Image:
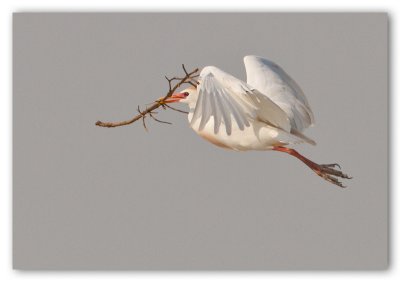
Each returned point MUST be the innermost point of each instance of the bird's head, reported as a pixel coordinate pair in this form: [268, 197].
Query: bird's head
[187, 96]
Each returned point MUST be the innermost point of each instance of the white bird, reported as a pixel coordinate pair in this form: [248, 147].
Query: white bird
[269, 112]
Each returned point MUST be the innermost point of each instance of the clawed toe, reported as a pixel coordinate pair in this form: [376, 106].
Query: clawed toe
[333, 180]
[331, 165]
[327, 172]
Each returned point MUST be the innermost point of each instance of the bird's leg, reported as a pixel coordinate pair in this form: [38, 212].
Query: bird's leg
[326, 171]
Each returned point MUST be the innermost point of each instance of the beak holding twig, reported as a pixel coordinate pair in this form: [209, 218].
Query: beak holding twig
[170, 97]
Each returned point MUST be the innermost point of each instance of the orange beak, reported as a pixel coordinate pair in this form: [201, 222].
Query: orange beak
[176, 97]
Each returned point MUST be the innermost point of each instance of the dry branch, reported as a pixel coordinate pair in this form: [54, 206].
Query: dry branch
[189, 78]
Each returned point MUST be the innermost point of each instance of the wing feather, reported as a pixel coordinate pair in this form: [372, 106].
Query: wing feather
[231, 101]
[206, 111]
[272, 81]
[226, 117]
[236, 112]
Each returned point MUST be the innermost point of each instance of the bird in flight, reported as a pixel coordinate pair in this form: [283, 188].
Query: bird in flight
[268, 112]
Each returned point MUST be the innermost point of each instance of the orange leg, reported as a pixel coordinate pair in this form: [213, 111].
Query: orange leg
[326, 171]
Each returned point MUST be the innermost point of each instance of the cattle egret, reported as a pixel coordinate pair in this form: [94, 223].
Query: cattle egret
[268, 112]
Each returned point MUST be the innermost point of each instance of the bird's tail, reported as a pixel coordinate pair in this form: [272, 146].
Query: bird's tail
[294, 137]
[303, 137]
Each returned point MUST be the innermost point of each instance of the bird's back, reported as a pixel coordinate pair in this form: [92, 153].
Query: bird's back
[271, 80]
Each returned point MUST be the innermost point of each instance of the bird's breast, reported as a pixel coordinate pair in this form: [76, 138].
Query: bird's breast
[212, 138]
[258, 136]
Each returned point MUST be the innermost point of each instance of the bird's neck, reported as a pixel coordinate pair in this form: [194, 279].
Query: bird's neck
[190, 115]
[192, 107]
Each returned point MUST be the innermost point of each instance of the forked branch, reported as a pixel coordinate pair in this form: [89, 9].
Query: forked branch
[189, 78]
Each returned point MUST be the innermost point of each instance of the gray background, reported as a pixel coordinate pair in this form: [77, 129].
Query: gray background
[88, 198]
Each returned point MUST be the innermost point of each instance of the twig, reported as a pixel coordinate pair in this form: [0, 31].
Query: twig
[178, 110]
[162, 121]
[187, 79]
[184, 69]
[143, 117]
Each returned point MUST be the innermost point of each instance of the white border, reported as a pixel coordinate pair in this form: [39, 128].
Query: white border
[8, 7]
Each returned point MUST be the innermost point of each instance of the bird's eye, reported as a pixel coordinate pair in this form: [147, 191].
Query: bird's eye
[186, 94]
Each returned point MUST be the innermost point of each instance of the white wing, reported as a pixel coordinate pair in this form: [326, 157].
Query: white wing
[229, 100]
[271, 80]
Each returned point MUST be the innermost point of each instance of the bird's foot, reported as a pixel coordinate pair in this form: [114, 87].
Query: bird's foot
[328, 172]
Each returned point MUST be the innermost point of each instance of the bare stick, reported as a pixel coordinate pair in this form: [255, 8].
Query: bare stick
[161, 121]
[143, 118]
[172, 108]
[187, 79]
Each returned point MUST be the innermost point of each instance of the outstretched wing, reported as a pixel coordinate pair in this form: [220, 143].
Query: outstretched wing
[272, 81]
[231, 101]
